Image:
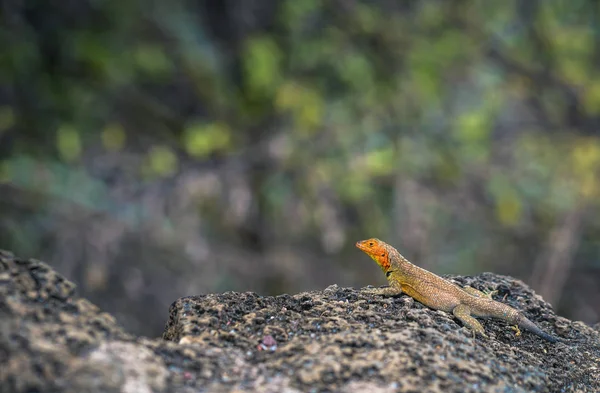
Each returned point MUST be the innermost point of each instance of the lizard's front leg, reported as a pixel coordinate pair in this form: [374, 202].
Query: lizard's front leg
[395, 288]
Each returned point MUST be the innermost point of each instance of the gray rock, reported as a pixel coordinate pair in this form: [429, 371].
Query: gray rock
[337, 339]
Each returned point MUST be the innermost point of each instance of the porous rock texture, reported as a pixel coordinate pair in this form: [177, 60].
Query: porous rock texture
[336, 340]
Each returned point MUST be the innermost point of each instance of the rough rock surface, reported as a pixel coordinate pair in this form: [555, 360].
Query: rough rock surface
[324, 341]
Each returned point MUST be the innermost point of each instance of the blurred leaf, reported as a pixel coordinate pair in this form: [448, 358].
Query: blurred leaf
[152, 59]
[305, 104]
[472, 130]
[355, 188]
[586, 163]
[287, 95]
[569, 41]
[113, 137]
[356, 71]
[368, 17]
[573, 71]
[453, 45]
[162, 161]
[573, 47]
[202, 139]
[586, 155]
[472, 127]
[508, 203]
[310, 110]
[426, 84]
[68, 142]
[261, 61]
[508, 208]
[380, 161]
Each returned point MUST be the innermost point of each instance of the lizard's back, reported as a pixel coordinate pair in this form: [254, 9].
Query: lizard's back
[428, 288]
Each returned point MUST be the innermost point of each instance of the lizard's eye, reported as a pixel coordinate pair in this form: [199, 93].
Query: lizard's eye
[370, 244]
[383, 254]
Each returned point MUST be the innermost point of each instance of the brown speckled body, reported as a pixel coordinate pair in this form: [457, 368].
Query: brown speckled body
[440, 294]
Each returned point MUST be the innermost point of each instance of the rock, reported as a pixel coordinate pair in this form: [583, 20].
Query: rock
[338, 339]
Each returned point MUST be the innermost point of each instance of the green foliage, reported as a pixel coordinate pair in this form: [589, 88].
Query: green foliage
[303, 103]
[152, 60]
[471, 122]
[202, 139]
[261, 60]
[113, 137]
[162, 161]
[68, 142]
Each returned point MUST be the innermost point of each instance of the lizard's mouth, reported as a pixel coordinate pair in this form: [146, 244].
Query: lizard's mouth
[362, 246]
[366, 246]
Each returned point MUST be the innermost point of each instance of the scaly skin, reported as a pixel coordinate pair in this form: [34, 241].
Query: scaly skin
[440, 294]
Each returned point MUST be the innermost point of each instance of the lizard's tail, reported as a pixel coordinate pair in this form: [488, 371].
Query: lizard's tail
[526, 324]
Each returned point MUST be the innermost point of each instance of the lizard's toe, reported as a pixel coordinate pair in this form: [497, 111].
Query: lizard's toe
[516, 329]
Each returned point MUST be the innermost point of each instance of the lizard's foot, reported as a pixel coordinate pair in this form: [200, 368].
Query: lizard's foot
[516, 329]
[463, 313]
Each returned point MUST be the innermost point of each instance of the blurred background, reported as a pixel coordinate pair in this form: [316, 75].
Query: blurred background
[151, 150]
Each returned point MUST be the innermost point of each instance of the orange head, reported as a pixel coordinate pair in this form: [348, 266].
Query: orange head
[377, 250]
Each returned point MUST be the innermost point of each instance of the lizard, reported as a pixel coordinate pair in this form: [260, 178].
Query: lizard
[440, 294]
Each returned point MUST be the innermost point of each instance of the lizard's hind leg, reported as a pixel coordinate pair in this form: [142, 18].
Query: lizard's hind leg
[463, 313]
